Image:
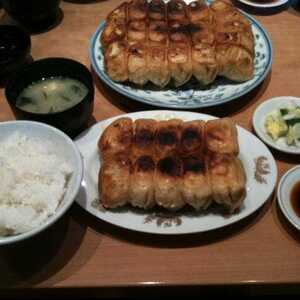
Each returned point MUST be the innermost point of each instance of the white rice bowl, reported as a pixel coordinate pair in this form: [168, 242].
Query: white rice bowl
[40, 176]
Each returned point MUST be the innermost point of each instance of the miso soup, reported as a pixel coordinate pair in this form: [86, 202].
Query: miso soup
[51, 95]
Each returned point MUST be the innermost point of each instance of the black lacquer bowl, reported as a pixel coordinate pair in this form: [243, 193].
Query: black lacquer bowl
[15, 45]
[35, 15]
[71, 121]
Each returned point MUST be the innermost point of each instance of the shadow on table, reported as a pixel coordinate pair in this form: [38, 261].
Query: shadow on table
[295, 7]
[285, 157]
[41, 257]
[286, 226]
[172, 241]
[227, 109]
[260, 11]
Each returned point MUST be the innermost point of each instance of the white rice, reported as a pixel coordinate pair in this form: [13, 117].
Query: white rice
[33, 181]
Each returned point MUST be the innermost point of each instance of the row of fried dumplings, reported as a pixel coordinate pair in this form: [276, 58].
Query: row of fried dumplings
[171, 164]
[162, 43]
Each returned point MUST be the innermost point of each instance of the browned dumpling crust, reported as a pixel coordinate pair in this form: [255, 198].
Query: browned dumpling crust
[171, 164]
[168, 182]
[116, 138]
[196, 187]
[158, 71]
[116, 60]
[141, 182]
[221, 136]
[137, 64]
[228, 180]
[167, 138]
[173, 42]
[143, 143]
[115, 29]
[192, 140]
[113, 181]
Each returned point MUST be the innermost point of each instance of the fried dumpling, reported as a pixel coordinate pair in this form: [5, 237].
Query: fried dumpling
[116, 62]
[137, 10]
[204, 62]
[235, 63]
[158, 72]
[115, 29]
[137, 64]
[180, 63]
[158, 34]
[167, 182]
[234, 21]
[243, 40]
[116, 138]
[137, 32]
[221, 6]
[231, 17]
[179, 32]
[198, 11]
[113, 181]
[221, 136]
[144, 138]
[141, 184]
[228, 180]
[234, 43]
[202, 34]
[157, 10]
[167, 139]
[177, 10]
[196, 187]
[192, 138]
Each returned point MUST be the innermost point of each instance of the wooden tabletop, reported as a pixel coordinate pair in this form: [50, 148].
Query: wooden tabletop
[83, 252]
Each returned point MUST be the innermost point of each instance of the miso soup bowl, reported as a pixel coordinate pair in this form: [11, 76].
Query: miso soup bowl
[35, 15]
[71, 121]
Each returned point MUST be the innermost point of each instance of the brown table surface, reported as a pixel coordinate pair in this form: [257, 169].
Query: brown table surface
[83, 252]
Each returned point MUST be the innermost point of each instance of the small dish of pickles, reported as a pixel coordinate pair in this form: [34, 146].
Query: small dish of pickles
[277, 122]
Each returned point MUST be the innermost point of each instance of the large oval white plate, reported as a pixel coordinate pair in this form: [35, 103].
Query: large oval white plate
[259, 185]
[259, 117]
[191, 95]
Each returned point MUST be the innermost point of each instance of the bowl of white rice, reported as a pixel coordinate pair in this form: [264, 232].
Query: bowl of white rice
[40, 176]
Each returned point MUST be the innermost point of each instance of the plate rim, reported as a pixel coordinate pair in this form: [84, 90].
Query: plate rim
[275, 175]
[280, 200]
[102, 76]
[260, 134]
[266, 5]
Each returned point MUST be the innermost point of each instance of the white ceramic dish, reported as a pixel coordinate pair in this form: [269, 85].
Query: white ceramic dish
[259, 165]
[191, 96]
[65, 148]
[264, 4]
[259, 117]
[285, 186]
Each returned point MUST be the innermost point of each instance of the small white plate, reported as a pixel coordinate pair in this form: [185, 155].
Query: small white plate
[287, 181]
[264, 4]
[259, 118]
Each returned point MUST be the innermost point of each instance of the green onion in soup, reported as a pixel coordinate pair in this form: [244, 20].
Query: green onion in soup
[51, 95]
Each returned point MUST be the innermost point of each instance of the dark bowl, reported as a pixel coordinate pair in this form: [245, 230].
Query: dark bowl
[73, 120]
[33, 14]
[15, 45]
